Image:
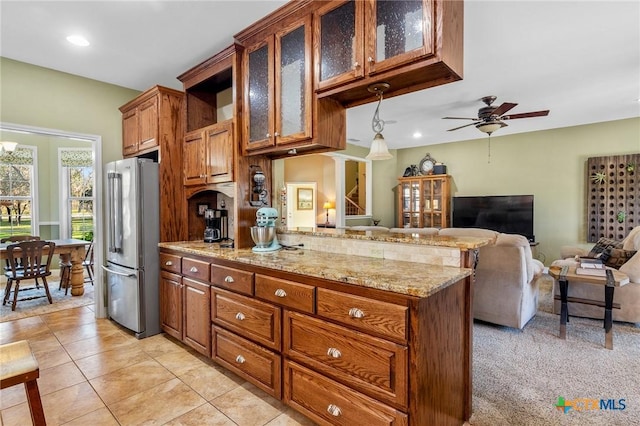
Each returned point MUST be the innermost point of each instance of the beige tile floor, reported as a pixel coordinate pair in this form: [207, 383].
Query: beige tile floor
[92, 372]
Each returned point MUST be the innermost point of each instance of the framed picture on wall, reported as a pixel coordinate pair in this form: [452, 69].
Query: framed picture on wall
[305, 198]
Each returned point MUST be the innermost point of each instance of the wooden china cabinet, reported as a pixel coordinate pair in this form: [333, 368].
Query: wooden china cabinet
[424, 201]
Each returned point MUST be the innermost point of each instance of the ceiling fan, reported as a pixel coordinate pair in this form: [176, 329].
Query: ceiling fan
[492, 118]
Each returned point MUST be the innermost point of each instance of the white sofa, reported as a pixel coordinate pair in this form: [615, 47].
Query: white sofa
[506, 286]
[628, 296]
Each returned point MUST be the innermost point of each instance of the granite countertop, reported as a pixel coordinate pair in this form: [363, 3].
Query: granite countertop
[462, 243]
[414, 279]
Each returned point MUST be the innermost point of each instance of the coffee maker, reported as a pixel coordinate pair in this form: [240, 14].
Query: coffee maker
[216, 225]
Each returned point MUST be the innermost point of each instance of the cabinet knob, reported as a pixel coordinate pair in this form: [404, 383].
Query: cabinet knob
[281, 293]
[168, 263]
[356, 65]
[334, 410]
[276, 134]
[356, 313]
[240, 359]
[370, 59]
[268, 135]
[240, 316]
[228, 279]
[334, 353]
[193, 269]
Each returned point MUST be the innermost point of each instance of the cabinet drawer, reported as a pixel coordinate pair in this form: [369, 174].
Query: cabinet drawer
[371, 365]
[328, 402]
[255, 320]
[170, 262]
[287, 293]
[250, 361]
[386, 319]
[232, 279]
[195, 269]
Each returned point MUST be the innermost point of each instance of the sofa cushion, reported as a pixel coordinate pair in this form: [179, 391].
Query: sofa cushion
[632, 240]
[604, 244]
[519, 241]
[632, 268]
[616, 257]
[469, 232]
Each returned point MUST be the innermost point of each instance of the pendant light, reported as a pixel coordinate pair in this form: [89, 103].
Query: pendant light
[379, 149]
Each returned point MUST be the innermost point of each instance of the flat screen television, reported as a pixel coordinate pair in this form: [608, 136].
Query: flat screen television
[511, 214]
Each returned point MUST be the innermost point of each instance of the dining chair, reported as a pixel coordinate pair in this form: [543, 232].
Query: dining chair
[35, 257]
[88, 263]
[17, 239]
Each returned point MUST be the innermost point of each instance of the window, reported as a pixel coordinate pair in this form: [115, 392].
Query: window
[18, 208]
[77, 189]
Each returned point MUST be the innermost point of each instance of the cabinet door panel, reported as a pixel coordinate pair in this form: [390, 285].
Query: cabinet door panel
[197, 305]
[148, 124]
[293, 83]
[339, 34]
[129, 132]
[171, 304]
[220, 153]
[259, 114]
[398, 33]
[193, 159]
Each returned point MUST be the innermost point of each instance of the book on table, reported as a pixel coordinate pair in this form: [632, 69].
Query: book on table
[590, 269]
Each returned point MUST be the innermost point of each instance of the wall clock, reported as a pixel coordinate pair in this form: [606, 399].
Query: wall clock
[426, 165]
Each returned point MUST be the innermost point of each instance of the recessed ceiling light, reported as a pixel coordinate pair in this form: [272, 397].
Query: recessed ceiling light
[78, 40]
[417, 135]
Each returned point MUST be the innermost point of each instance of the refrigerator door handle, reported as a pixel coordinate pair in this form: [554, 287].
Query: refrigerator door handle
[114, 183]
[111, 271]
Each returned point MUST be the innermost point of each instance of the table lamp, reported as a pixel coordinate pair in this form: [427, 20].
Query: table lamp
[327, 205]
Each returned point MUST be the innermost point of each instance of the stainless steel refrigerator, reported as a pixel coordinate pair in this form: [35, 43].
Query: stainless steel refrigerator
[132, 259]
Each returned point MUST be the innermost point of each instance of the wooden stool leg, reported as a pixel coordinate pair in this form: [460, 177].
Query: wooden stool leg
[35, 403]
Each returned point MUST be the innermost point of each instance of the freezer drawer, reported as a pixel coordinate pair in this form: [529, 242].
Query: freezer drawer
[125, 295]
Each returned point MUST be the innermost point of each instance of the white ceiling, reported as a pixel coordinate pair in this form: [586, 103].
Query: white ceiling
[580, 59]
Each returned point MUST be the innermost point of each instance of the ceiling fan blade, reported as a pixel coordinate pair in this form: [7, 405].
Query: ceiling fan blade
[525, 115]
[456, 128]
[507, 106]
[460, 118]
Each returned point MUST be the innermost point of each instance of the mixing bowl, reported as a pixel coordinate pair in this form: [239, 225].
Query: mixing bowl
[263, 235]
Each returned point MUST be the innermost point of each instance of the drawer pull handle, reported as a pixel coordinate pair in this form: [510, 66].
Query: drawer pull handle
[228, 279]
[334, 410]
[168, 263]
[356, 313]
[240, 359]
[281, 293]
[334, 353]
[240, 316]
[193, 269]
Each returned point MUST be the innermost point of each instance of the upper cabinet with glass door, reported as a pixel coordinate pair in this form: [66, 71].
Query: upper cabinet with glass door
[410, 44]
[278, 88]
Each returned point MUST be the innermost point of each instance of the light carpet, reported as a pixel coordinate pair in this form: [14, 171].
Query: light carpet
[519, 375]
[40, 306]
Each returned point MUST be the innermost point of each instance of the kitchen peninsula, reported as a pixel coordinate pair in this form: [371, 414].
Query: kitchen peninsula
[344, 339]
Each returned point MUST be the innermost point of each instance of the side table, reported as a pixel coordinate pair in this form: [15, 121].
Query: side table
[564, 275]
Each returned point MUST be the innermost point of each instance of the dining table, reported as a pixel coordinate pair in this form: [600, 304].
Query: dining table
[71, 251]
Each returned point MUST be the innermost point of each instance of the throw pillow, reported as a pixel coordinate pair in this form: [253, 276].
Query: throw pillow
[602, 245]
[632, 268]
[615, 257]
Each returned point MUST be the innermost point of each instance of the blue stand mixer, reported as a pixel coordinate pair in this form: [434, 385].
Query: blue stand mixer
[264, 233]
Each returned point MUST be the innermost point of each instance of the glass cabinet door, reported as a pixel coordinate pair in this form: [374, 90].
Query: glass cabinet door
[258, 98]
[293, 83]
[398, 32]
[340, 54]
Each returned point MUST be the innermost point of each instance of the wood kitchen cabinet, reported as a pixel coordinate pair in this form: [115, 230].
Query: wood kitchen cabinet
[209, 155]
[152, 128]
[278, 88]
[410, 44]
[171, 304]
[197, 304]
[424, 201]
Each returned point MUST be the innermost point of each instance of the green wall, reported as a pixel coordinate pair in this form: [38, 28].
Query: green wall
[41, 97]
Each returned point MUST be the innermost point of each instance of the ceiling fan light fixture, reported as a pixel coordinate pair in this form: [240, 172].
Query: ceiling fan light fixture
[379, 150]
[489, 127]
